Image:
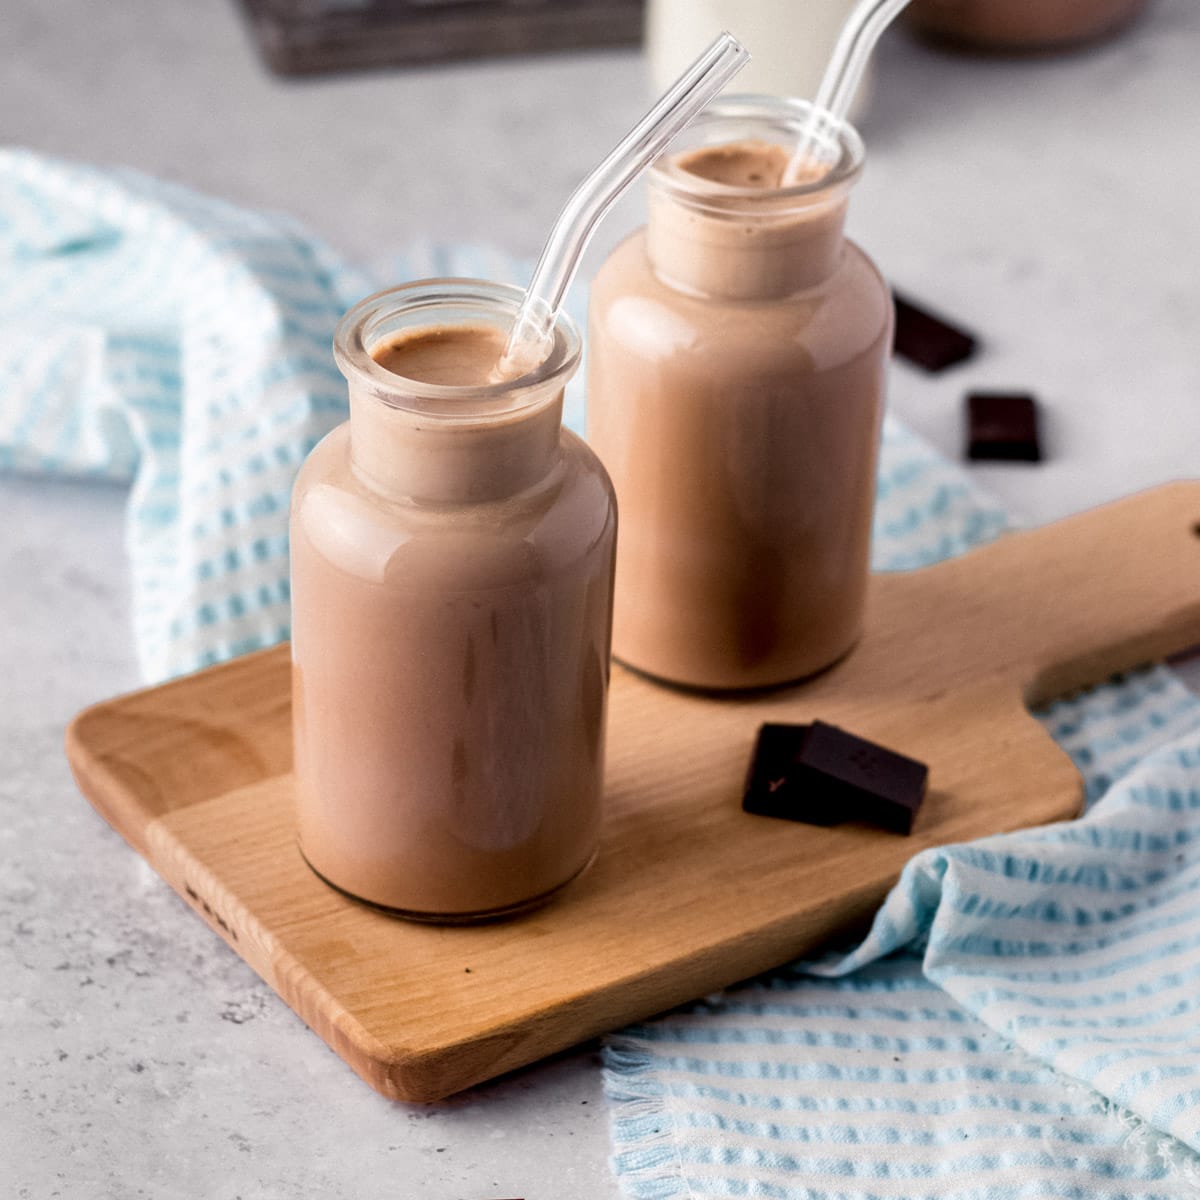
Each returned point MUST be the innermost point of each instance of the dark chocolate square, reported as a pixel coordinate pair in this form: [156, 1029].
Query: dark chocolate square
[929, 341]
[821, 775]
[772, 782]
[861, 777]
[1003, 426]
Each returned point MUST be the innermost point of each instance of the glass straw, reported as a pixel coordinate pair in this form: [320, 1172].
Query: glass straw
[528, 340]
[857, 39]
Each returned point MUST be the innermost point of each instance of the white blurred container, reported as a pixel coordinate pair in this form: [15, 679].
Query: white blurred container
[790, 41]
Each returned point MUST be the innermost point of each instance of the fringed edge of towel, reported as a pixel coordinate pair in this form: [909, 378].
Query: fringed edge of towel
[646, 1157]
[645, 1149]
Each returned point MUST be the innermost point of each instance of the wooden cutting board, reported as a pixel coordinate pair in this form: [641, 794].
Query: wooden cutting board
[689, 894]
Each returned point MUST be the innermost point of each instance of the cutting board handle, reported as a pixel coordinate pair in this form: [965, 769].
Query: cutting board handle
[1071, 604]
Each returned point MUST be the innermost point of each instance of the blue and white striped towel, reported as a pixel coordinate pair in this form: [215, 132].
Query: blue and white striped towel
[154, 335]
[1035, 1030]
[151, 334]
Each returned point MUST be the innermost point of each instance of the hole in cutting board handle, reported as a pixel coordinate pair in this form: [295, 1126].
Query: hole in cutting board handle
[1196, 529]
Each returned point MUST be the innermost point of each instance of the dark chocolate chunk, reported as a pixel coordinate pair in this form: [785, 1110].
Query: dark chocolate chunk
[1004, 426]
[774, 785]
[821, 775]
[872, 782]
[930, 342]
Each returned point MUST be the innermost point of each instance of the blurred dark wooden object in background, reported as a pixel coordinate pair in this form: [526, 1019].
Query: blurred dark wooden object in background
[301, 37]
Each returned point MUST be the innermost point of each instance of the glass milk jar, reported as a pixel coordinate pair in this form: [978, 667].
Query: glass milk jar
[736, 364]
[452, 566]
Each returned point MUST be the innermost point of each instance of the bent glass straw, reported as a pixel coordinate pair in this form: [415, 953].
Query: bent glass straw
[857, 39]
[527, 341]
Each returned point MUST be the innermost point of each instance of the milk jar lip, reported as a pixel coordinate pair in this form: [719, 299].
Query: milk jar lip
[763, 118]
[450, 301]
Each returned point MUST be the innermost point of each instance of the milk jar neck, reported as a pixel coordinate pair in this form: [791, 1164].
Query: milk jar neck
[449, 444]
[713, 233]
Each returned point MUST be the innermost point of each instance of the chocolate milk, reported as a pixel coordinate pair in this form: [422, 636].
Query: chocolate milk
[1017, 25]
[452, 556]
[737, 353]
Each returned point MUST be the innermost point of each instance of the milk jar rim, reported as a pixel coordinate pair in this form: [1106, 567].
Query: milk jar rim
[428, 303]
[764, 118]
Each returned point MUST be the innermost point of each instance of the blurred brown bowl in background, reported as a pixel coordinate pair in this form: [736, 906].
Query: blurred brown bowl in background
[1020, 26]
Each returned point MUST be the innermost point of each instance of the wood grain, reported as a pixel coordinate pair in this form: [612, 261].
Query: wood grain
[689, 894]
